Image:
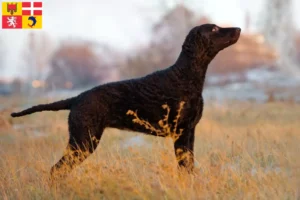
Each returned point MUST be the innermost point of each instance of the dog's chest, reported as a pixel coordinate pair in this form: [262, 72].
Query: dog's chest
[192, 110]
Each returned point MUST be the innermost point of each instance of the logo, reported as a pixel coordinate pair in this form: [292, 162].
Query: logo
[11, 8]
[22, 15]
[12, 21]
[32, 18]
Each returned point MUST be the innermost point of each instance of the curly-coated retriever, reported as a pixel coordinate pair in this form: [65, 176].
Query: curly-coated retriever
[117, 104]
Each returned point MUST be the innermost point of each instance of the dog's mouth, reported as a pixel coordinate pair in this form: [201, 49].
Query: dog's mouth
[235, 35]
[230, 37]
[232, 40]
[229, 42]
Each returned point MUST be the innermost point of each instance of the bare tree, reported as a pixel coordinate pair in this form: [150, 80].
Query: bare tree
[36, 57]
[80, 64]
[2, 54]
[167, 37]
[278, 28]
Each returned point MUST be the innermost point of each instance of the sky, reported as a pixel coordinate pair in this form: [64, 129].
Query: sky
[122, 24]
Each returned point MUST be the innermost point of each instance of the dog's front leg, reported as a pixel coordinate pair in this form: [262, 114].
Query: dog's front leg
[184, 149]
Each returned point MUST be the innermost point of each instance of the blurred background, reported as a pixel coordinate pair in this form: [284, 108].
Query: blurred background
[87, 43]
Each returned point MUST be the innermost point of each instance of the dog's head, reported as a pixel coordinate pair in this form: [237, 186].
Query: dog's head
[210, 39]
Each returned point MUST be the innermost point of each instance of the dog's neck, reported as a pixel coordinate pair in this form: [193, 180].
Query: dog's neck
[193, 67]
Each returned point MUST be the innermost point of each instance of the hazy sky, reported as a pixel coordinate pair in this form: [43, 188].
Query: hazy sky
[118, 22]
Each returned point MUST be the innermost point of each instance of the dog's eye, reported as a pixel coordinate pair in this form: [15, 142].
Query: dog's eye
[215, 29]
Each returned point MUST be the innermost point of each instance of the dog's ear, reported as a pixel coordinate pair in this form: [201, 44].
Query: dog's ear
[195, 42]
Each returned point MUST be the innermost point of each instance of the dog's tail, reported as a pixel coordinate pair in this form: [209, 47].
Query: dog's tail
[55, 106]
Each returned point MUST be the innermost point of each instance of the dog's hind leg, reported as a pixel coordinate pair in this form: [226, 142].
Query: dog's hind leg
[85, 135]
[184, 147]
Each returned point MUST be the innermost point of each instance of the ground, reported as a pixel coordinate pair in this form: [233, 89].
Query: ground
[242, 150]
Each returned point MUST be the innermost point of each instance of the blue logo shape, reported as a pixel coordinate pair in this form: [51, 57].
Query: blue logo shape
[33, 19]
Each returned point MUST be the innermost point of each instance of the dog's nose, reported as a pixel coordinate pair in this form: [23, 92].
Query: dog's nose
[235, 32]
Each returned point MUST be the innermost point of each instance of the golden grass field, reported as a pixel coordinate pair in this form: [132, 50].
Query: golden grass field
[242, 151]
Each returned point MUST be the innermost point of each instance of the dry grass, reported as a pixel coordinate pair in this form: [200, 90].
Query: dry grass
[249, 151]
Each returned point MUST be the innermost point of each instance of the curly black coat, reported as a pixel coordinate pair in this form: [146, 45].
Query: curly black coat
[107, 105]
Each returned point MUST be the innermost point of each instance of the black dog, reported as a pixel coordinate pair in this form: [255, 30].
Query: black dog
[115, 104]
